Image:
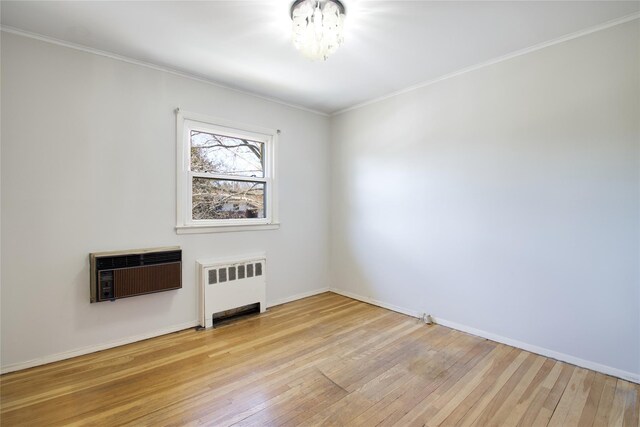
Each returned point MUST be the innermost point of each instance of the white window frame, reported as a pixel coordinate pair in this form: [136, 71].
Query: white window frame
[187, 121]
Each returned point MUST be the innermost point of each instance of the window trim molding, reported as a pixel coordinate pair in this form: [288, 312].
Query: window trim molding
[184, 223]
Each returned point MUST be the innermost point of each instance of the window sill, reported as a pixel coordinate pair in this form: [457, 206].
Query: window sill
[201, 229]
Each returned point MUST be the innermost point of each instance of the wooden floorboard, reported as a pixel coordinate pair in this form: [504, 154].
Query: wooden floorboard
[323, 360]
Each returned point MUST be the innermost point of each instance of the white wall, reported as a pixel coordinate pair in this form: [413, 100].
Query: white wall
[88, 164]
[505, 200]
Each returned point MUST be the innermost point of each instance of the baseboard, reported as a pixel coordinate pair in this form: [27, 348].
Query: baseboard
[391, 307]
[92, 349]
[608, 370]
[297, 297]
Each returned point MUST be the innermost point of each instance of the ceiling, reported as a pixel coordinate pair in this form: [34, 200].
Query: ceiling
[389, 45]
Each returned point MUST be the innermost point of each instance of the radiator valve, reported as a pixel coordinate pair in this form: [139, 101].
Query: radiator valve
[427, 319]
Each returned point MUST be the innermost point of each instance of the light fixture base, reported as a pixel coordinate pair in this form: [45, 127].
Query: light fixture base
[338, 3]
[317, 27]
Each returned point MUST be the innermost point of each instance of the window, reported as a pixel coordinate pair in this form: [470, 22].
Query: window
[226, 175]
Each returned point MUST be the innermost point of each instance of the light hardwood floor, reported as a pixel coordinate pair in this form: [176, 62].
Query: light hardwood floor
[324, 360]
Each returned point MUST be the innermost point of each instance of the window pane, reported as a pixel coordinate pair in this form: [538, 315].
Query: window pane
[222, 154]
[221, 199]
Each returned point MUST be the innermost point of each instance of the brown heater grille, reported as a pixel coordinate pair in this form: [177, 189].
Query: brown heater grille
[125, 274]
[129, 282]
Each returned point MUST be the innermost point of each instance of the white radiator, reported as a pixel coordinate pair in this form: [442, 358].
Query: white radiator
[227, 283]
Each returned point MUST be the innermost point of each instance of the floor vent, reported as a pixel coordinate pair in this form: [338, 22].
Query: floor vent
[226, 316]
[230, 288]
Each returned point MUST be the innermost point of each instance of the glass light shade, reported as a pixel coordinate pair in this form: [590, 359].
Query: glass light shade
[317, 27]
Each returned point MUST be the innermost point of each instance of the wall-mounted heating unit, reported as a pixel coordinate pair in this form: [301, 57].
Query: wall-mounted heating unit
[229, 284]
[122, 274]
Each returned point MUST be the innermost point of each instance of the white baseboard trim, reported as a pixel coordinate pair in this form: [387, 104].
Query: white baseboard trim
[391, 307]
[94, 348]
[608, 370]
[297, 297]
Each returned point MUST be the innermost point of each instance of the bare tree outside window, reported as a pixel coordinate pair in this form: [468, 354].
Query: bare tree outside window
[217, 160]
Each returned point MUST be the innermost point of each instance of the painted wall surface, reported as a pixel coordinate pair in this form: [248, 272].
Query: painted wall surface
[506, 199]
[88, 164]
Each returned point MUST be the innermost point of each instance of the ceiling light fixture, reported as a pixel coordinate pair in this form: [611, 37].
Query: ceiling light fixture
[317, 27]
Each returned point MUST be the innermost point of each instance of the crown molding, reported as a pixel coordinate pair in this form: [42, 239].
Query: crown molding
[52, 40]
[187, 75]
[502, 58]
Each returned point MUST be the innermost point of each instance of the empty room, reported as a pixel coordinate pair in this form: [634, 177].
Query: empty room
[320, 213]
